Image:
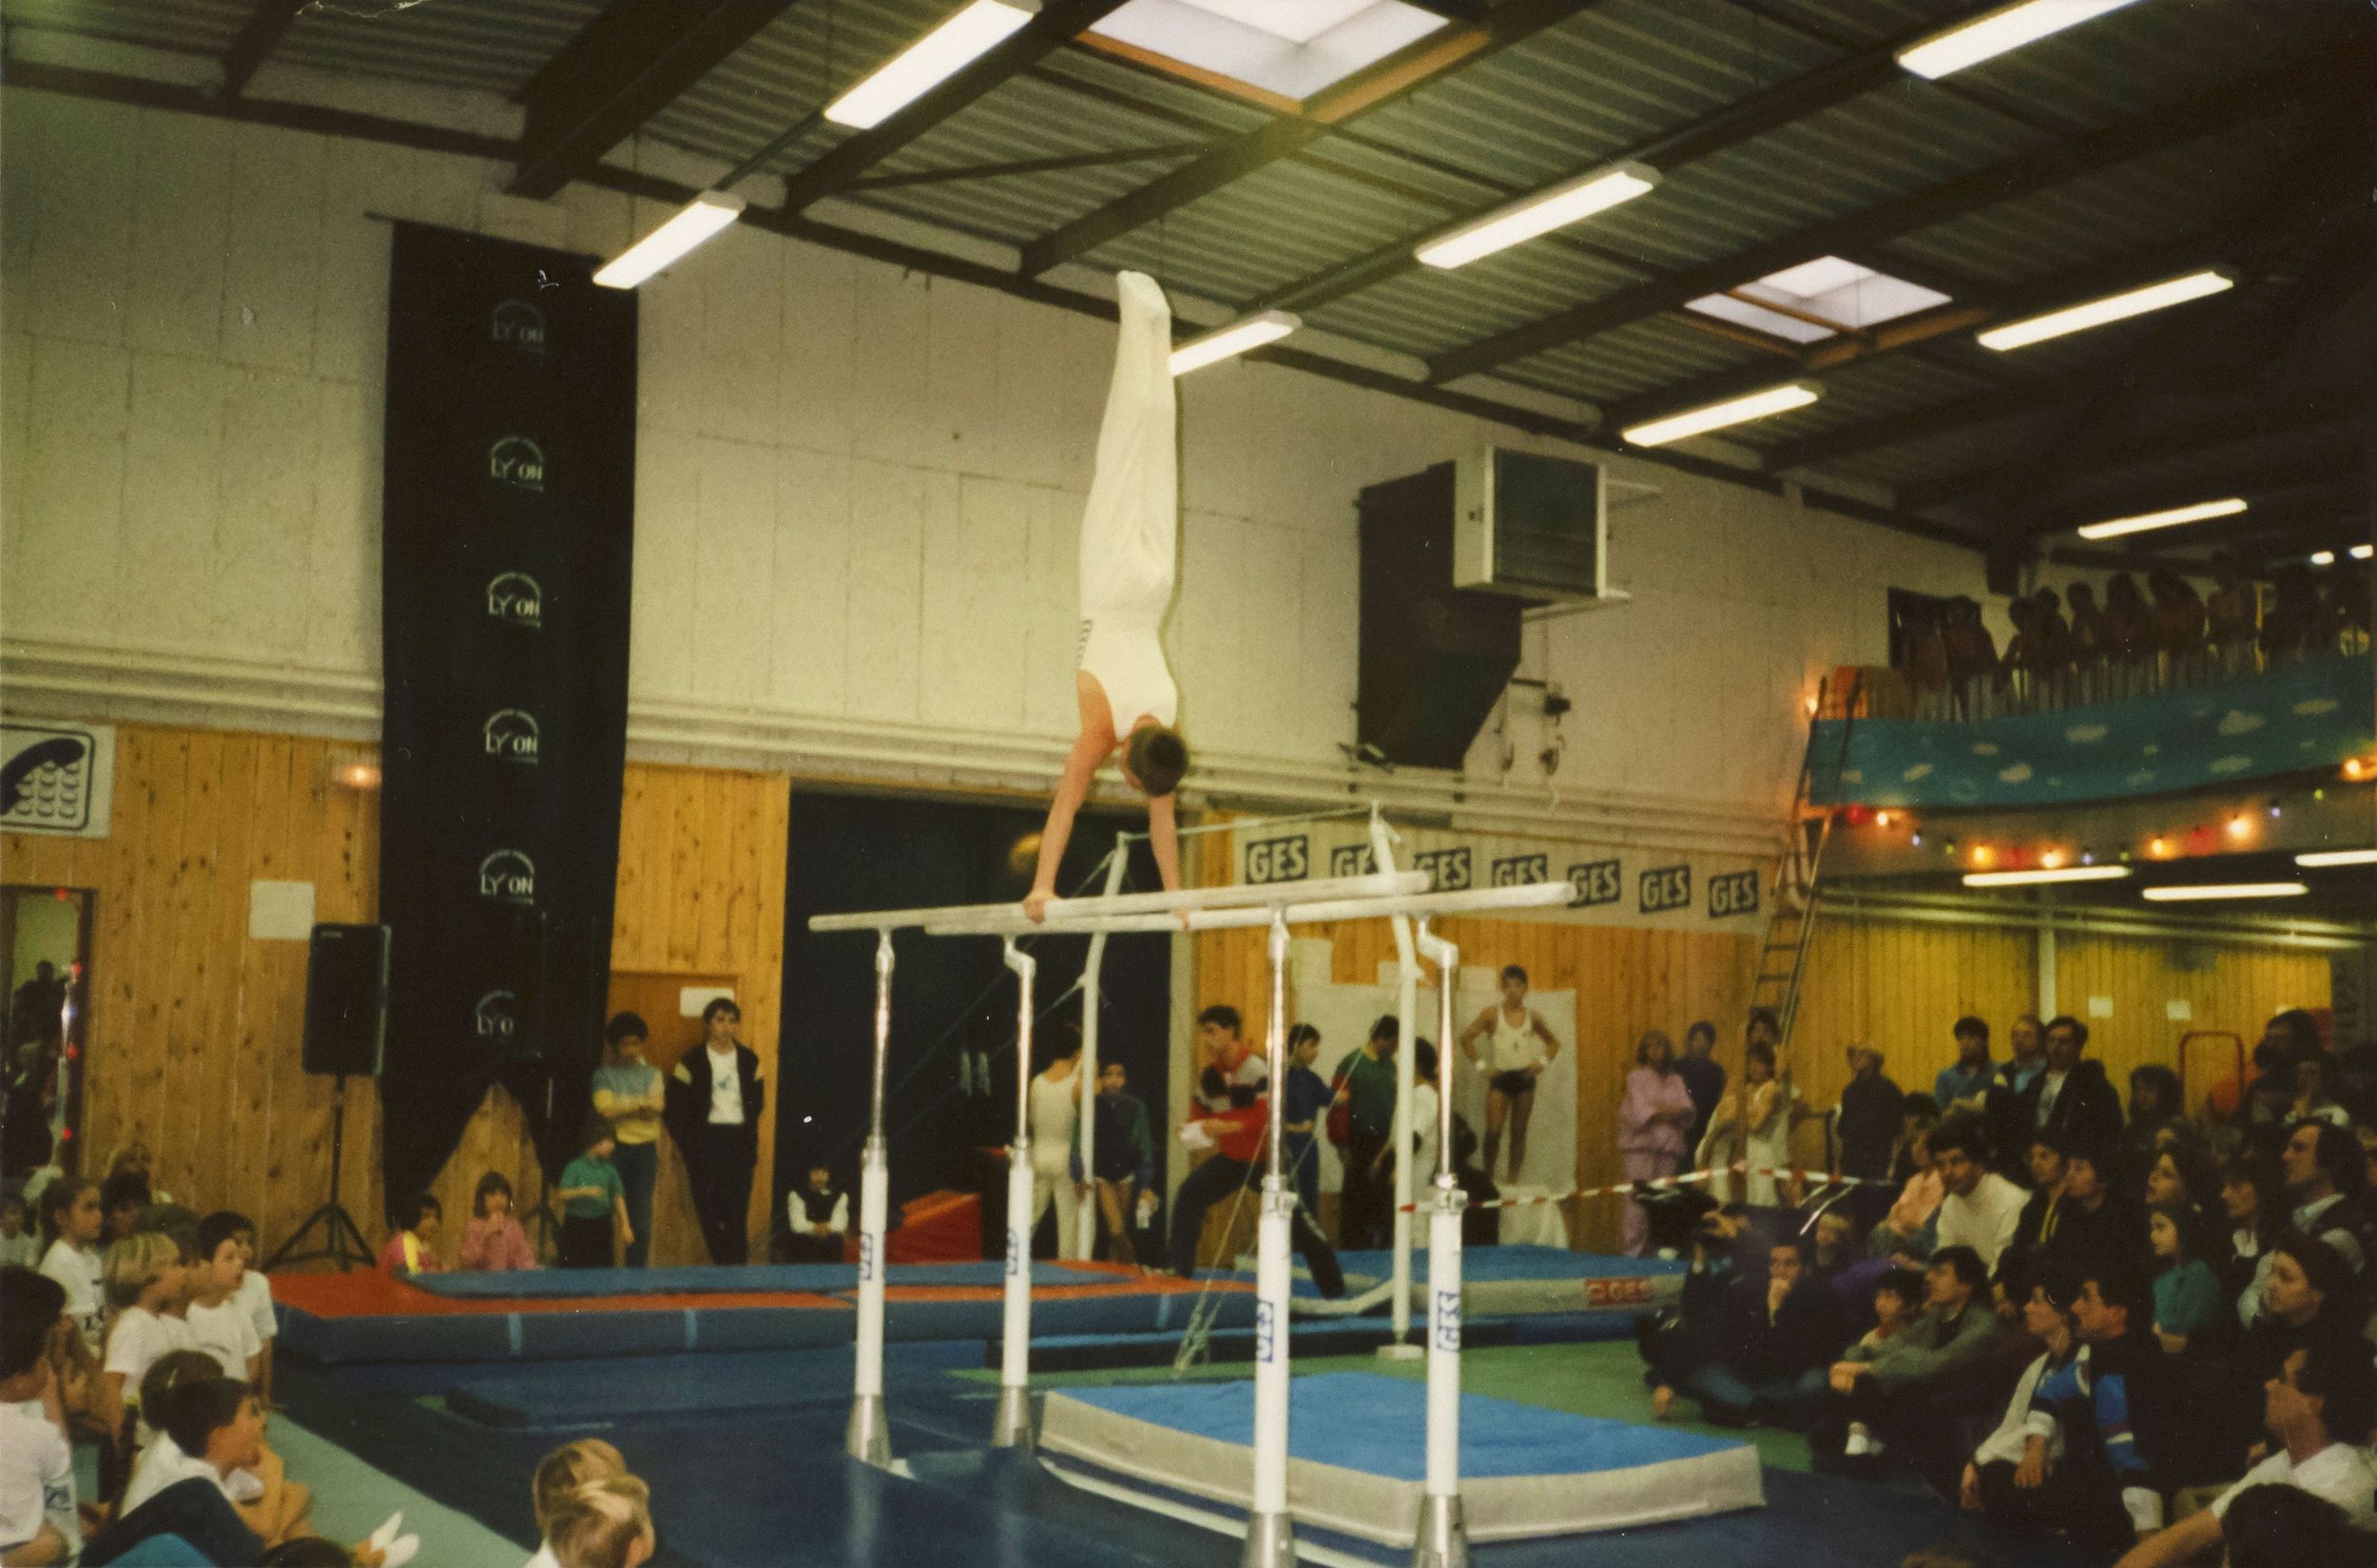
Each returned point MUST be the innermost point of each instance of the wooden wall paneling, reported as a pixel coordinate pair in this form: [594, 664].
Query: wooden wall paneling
[186, 1161]
[290, 1184]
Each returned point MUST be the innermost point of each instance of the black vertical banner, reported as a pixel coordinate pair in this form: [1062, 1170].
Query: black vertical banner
[509, 516]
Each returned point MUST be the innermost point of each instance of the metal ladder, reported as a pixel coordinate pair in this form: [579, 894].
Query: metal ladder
[1791, 910]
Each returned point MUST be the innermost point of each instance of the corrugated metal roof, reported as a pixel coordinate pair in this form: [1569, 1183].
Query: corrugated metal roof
[1619, 75]
[488, 46]
[196, 27]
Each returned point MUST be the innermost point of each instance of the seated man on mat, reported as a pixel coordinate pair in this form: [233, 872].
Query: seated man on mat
[1777, 1337]
[1130, 534]
[1238, 1138]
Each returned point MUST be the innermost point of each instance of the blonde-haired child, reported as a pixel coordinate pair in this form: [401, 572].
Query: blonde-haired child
[559, 1475]
[605, 1525]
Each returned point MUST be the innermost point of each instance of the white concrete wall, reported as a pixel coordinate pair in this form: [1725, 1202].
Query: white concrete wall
[864, 482]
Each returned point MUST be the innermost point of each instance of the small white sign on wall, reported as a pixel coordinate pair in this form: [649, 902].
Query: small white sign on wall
[2180, 1010]
[692, 999]
[279, 912]
[2101, 1007]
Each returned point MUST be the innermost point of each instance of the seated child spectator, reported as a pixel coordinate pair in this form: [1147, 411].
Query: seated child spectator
[492, 1238]
[218, 1321]
[268, 1502]
[1909, 1231]
[39, 1523]
[816, 1215]
[1776, 1338]
[1989, 1476]
[2318, 1411]
[559, 1475]
[122, 1199]
[413, 1249]
[1897, 1301]
[1908, 1393]
[18, 1244]
[150, 1282]
[605, 1523]
[72, 1219]
[593, 1200]
[2187, 1293]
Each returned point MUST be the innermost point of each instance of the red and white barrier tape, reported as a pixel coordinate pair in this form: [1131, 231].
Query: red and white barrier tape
[1669, 1184]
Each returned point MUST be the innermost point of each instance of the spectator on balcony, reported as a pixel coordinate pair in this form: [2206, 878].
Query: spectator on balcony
[1972, 652]
[2126, 620]
[1926, 653]
[2343, 623]
[2088, 630]
[2293, 616]
[2178, 618]
[2229, 615]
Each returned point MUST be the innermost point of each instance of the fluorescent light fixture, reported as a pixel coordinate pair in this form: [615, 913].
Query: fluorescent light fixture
[2322, 558]
[2337, 857]
[695, 224]
[2060, 874]
[1733, 411]
[1248, 332]
[2113, 307]
[930, 61]
[1541, 213]
[2113, 528]
[2000, 31]
[2224, 890]
[2362, 552]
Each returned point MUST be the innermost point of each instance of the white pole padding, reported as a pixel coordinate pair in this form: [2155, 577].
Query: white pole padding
[993, 916]
[1444, 1343]
[1270, 1351]
[1093, 968]
[868, 1437]
[1406, 1001]
[1014, 1373]
[874, 1213]
[1481, 900]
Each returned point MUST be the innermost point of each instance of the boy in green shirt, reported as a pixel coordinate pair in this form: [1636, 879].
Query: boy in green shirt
[593, 1200]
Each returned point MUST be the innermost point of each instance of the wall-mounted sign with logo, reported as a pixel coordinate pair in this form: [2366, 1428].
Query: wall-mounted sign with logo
[1615, 887]
[508, 516]
[56, 778]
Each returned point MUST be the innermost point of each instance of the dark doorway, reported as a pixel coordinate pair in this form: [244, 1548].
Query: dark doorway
[951, 996]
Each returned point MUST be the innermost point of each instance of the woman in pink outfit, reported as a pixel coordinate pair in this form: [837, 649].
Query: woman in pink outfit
[1650, 1125]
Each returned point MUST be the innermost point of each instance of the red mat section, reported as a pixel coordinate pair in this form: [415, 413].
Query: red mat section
[370, 1294]
[936, 1228]
[1148, 1284]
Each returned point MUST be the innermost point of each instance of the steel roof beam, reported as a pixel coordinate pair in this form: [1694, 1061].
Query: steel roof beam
[2170, 127]
[1428, 60]
[830, 172]
[622, 67]
[258, 37]
[1921, 424]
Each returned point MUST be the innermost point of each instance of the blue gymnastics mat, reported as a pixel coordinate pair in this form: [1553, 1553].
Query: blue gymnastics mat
[1357, 1459]
[817, 1278]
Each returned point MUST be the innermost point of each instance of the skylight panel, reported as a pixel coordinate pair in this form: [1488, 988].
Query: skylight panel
[1292, 47]
[1818, 299]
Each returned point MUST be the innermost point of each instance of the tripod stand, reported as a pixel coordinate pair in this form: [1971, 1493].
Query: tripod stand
[343, 1241]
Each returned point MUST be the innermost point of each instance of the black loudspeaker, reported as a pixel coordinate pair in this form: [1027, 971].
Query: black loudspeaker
[1434, 658]
[346, 1001]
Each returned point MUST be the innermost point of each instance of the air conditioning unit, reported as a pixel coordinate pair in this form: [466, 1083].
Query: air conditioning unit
[1531, 527]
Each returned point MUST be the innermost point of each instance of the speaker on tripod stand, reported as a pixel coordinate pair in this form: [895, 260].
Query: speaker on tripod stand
[346, 1031]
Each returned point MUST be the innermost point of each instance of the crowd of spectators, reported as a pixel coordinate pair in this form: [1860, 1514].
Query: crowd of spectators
[2072, 647]
[2116, 1323]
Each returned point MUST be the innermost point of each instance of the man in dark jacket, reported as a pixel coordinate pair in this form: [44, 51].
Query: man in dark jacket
[2070, 1094]
[714, 1099]
[1776, 1337]
[1868, 1127]
[1909, 1395]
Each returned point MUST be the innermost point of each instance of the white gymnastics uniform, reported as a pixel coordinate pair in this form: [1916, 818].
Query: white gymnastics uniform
[1130, 530]
[1512, 1049]
[1053, 1110]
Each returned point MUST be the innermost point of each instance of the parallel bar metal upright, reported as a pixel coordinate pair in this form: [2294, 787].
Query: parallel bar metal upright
[868, 1437]
[1013, 1427]
[1406, 1002]
[1093, 970]
[1443, 1538]
[1270, 1533]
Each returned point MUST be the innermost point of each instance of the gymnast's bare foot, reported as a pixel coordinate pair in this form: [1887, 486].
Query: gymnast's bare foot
[1661, 1398]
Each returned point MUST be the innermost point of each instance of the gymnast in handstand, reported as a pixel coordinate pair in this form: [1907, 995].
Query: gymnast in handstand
[1129, 534]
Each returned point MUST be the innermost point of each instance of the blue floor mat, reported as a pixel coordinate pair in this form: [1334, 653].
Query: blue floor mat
[817, 1278]
[1519, 1263]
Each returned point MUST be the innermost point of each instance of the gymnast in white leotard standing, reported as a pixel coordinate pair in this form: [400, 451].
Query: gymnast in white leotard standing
[1129, 536]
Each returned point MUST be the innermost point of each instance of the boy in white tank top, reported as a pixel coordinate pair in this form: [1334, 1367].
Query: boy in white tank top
[1129, 539]
[1519, 1047]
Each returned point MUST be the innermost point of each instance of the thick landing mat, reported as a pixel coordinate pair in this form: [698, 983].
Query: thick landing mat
[564, 1283]
[1519, 1281]
[1357, 1459]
